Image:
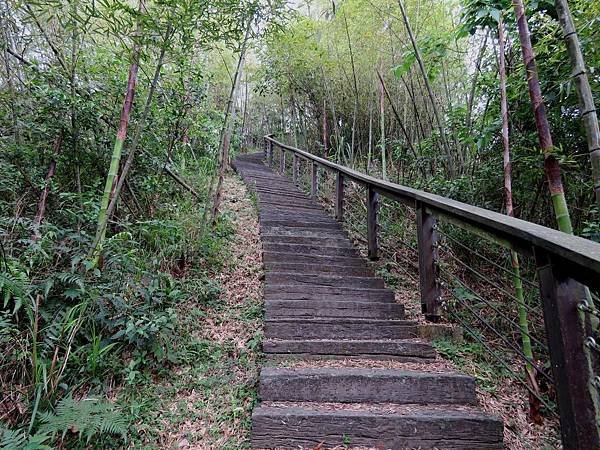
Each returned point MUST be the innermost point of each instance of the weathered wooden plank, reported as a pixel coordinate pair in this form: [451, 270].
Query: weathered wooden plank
[314, 183]
[428, 269]
[307, 249]
[286, 278]
[324, 328]
[423, 428]
[310, 308]
[331, 293]
[356, 385]
[317, 269]
[278, 257]
[372, 209]
[339, 196]
[338, 347]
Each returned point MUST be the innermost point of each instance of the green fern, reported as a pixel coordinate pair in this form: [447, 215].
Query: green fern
[88, 417]
[14, 287]
[19, 440]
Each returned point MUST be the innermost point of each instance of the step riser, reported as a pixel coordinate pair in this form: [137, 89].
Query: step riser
[325, 293]
[298, 224]
[291, 429]
[309, 249]
[274, 239]
[315, 269]
[276, 330]
[303, 232]
[350, 348]
[301, 308]
[275, 278]
[311, 259]
[371, 386]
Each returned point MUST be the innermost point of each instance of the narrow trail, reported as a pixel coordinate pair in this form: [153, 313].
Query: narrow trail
[323, 302]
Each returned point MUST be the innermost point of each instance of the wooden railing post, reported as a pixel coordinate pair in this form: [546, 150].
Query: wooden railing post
[339, 196]
[295, 168]
[428, 268]
[314, 187]
[372, 226]
[282, 162]
[567, 333]
[270, 159]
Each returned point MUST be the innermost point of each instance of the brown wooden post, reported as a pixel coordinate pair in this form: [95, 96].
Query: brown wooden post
[314, 187]
[567, 332]
[295, 168]
[270, 160]
[282, 162]
[372, 209]
[428, 268]
[339, 196]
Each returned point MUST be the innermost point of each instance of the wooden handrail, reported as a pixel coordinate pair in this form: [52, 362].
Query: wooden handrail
[581, 256]
[565, 263]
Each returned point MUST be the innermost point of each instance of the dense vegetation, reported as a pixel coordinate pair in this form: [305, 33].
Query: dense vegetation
[95, 257]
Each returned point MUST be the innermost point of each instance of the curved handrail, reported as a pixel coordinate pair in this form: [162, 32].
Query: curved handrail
[580, 257]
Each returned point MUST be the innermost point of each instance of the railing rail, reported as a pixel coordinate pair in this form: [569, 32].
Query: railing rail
[565, 263]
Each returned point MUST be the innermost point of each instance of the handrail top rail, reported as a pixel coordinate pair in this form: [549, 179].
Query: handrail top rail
[582, 252]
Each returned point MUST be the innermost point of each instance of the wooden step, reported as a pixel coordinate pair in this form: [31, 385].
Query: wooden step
[279, 257]
[398, 349]
[310, 249]
[300, 224]
[332, 308]
[419, 427]
[318, 269]
[327, 293]
[304, 232]
[286, 278]
[327, 328]
[350, 385]
[279, 239]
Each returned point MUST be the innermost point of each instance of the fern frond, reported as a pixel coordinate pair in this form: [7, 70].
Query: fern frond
[88, 417]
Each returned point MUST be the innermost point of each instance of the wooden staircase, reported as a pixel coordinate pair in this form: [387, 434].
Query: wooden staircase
[323, 303]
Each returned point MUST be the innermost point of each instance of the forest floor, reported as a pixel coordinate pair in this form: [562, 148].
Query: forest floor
[206, 402]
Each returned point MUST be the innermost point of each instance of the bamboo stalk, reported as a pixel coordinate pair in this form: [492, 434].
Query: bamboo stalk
[584, 91]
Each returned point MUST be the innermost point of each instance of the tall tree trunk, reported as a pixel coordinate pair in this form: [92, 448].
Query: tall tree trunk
[228, 125]
[551, 165]
[382, 126]
[325, 133]
[534, 403]
[117, 151]
[434, 103]
[355, 83]
[101, 231]
[584, 91]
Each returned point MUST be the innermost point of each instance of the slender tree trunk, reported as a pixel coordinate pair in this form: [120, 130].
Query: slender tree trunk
[551, 165]
[41, 208]
[355, 91]
[101, 231]
[434, 103]
[325, 132]
[370, 146]
[228, 125]
[382, 127]
[534, 403]
[584, 91]
[116, 155]
[473, 90]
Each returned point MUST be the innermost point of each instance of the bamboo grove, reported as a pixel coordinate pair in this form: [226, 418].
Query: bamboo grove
[118, 121]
